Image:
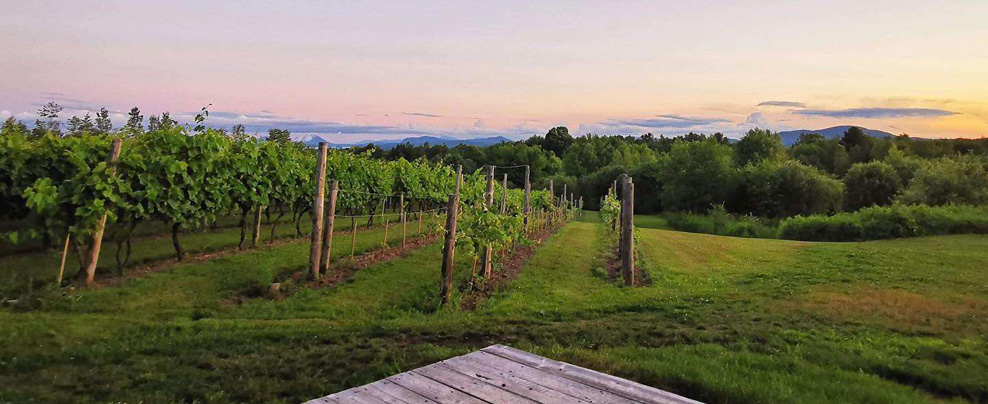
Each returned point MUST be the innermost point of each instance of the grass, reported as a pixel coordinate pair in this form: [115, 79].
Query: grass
[725, 320]
[27, 272]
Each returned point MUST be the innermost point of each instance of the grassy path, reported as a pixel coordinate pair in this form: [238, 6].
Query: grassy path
[36, 270]
[725, 320]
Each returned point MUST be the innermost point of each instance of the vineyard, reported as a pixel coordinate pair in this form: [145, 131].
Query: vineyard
[79, 188]
[193, 266]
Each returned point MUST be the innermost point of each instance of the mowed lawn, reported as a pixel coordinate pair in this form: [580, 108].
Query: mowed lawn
[724, 320]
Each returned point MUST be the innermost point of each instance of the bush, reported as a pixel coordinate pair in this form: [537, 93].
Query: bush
[718, 221]
[784, 189]
[869, 184]
[957, 180]
[884, 222]
[697, 175]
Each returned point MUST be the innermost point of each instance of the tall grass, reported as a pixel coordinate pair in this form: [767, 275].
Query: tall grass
[718, 221]
[884, 222]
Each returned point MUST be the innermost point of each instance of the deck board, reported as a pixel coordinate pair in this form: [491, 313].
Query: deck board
[501, 374]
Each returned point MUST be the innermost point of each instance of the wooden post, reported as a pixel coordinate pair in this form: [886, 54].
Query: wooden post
[327, 238]
[489, 204]
[353, 235]
[65, 252]
[420, 222]
[404, 224]
[93, 260]
[504, 194]
[315, 250]
[627, 250]
[527, 209]
[552, 194]
[386, 231]
[449, 245]
[562, 198]
[256, 236]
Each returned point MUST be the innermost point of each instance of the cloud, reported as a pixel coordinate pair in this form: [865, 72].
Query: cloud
[791, 104]
[422, 114]
[877, 112]
[665, 122]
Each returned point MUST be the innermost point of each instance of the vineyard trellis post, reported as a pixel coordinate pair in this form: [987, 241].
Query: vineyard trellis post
[627, 248]
[527, 210]
[353, 235]
[327, 239]
[256, 235]
[504, 194]
[489, 204]
[93, 260]
[420, 222]
[552, 194]
[401, 212]
[562, 198]
[317, 211]
[449, 244]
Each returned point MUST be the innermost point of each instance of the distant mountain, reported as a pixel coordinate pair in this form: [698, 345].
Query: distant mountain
[414, 141]
[790, 137]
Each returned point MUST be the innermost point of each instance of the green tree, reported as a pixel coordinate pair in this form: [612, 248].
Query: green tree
[957, 180]
[80, 126]
[135, 121]
[50, 123]
[279, 135]
[697, 175]
[557, 140]
[238, 130]
[758, 145]
[787, 188]
[103, 124]
[869, 184]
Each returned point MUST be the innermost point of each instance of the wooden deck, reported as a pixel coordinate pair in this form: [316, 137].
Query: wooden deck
[501, 374]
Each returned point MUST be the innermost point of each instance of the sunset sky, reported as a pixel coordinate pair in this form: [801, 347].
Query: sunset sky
[366, 69]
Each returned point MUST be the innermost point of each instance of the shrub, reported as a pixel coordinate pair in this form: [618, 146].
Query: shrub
[718, 221]
[868, 184]
[883, 222]
[697, 175]
[783, 189]
[957, 180]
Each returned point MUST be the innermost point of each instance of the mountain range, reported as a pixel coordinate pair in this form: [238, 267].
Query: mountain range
[790, 137]
[414, 141]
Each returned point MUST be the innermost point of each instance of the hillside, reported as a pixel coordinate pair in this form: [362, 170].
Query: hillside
[414, 141]
[790, 137]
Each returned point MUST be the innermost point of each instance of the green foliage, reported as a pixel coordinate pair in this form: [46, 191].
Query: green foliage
[825, 154]
[872, 183]
[719, 221]
[591, 153]
[778, 189]
[959, 180]
[610, 210]
[697, 175]
[759, 145]
[882, 222]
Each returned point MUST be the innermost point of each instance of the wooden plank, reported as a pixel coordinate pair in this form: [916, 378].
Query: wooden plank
[379, 394]
[322, 400]
[616, 385]
[401, 393]
[571, 387]
[472, 385]
[433, 390]
[508, 381]
[356, 395]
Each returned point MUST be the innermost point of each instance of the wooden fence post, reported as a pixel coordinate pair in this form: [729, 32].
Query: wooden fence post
[256, 235]
[327, 238]
[353, 235]
[449, 245]
[93, 260]
[489, 204]
[504, 194]
[527, 210]
[627, 232]
[317, 212]
[404, 224]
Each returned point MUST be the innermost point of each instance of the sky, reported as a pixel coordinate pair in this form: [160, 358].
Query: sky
[374, 70]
